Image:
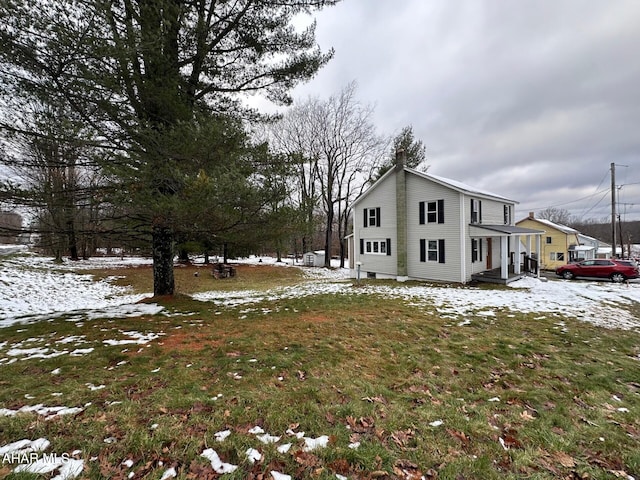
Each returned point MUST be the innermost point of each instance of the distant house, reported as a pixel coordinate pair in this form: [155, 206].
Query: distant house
[590, 248]
[314, 259]
[560, 244]
[415, 225]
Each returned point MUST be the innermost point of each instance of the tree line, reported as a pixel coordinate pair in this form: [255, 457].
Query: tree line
[123, 124]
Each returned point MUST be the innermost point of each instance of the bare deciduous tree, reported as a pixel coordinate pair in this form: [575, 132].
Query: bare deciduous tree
[556, 215]
[341, 149]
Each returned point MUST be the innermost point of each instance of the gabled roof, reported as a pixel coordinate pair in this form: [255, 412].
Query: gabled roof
[548, 223]
[452, 184]
[460, 187]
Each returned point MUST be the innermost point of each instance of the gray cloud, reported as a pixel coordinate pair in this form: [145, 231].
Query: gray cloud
[530, 99]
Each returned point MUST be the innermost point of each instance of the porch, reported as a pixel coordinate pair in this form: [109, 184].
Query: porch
[515, 257]
[529, 268]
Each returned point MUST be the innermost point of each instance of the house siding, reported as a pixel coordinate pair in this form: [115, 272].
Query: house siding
[423, 190]
[383, 197]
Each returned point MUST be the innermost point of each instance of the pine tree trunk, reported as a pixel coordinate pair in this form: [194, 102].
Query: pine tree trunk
[163, 280]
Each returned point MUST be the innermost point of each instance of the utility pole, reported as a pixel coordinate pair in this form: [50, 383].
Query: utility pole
[613, 208]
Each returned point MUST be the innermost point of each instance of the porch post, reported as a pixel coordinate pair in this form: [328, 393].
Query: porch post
[518, 252]
[504, 258]
[539, 251]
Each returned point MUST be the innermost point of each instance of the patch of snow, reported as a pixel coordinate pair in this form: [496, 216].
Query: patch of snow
[170, 473]
[218, 465]
[221, 436]
[25, 446]
[39, 409]
[253, 455]
[313, 443]
[266, 438]
[136, 338]
[279, 476]
[284, 448]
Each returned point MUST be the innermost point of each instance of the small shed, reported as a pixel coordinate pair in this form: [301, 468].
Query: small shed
[314, 259]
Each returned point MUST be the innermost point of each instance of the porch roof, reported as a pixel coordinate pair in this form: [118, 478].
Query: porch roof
[580, 248]
[476, 230]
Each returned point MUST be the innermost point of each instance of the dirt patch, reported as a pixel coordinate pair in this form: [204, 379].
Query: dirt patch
[187, 342]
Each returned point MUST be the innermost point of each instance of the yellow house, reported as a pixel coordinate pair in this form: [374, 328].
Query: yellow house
[558, 242]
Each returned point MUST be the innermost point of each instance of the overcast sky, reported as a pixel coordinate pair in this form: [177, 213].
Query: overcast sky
[529, 99]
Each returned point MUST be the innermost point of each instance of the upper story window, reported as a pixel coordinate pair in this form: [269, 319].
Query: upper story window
[476, 211]
[507, 214]
[549, 240]
[431, 212]
[372, 217]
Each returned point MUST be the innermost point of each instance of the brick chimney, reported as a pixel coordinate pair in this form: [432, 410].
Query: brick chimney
[531, 215]
[401, 216]
[401, 158]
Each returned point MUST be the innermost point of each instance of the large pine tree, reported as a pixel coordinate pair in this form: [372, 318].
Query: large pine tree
[147, 75]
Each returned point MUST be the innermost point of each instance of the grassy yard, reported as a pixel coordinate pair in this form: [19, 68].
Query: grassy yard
[395, 391]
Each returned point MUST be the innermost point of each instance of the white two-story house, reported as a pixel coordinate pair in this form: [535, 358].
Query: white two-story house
[414, 225]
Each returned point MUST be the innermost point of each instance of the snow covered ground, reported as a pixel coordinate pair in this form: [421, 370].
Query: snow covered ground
[33, 288]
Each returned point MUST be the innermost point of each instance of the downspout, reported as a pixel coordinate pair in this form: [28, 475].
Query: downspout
[463, 243]
[401, 217]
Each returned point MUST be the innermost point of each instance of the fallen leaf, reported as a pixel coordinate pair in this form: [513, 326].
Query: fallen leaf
[526, 415]
[459, 436]
[376, 399]
[510, 440]
[307, 459]
[340, 466]
[564, 459]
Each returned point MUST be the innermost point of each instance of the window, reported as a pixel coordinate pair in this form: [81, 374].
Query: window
[375, 247]
[556, 256]
[372, 217]
[431, 212]
[432, 251]
[507, 214]
[476, 249]
[549, 239]
[476, 211]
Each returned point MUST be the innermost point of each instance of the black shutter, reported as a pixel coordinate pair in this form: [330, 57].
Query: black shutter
[377, 216]
[440, 211]
[366, 212]
[441, 251]
[388, 246]
[480, 248]
[421, 213]
[361, 246]
[423, 250]
[479, 211]
[474, 251]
